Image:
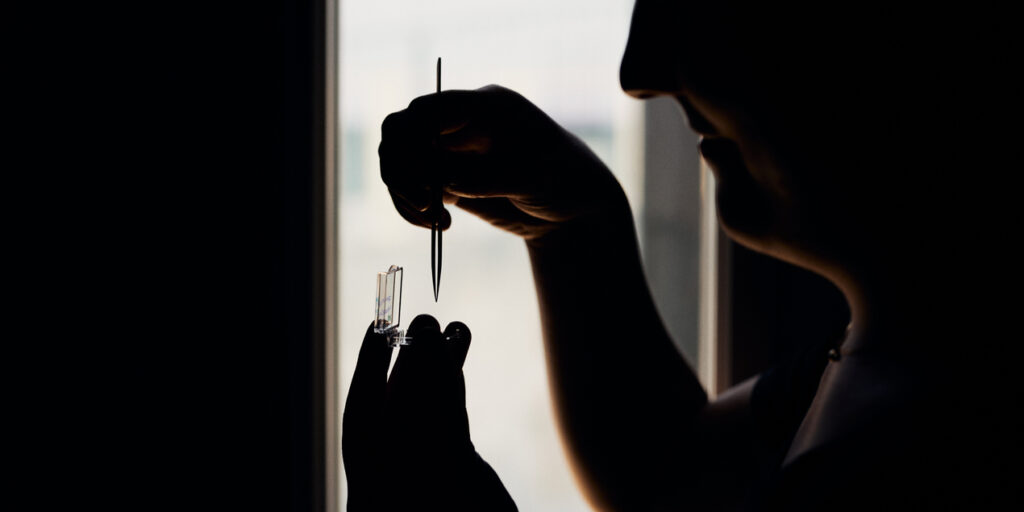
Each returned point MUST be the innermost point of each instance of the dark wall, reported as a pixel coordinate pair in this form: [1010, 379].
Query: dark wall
[200, 215]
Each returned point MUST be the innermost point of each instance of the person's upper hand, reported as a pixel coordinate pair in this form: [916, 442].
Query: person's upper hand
[405, 438]
[496, 155]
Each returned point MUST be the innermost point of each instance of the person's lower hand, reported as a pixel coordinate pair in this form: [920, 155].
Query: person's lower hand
[496, 155]
[405, 438]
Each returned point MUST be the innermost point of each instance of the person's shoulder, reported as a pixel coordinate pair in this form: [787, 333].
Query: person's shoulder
[910, 447]
[872, 468]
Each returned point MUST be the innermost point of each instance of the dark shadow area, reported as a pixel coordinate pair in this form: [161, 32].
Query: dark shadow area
[776, 310]
[193, 256]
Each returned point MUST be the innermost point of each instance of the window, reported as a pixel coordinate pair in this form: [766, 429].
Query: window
[564, 57]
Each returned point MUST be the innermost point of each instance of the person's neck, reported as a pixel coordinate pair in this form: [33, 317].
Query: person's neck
[903, 313]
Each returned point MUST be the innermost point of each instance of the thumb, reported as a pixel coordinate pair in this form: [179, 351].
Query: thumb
[371, 374]
[361, 421]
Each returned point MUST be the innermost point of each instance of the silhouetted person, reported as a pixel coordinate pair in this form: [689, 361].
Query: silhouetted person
[845, 141]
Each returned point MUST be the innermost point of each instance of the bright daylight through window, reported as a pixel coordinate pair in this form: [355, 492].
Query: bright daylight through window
[564, 57]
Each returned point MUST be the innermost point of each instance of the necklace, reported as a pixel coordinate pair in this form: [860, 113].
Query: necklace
[833, 353]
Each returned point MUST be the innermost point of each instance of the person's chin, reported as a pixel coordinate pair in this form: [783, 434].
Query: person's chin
[743, 210]
[744, 216]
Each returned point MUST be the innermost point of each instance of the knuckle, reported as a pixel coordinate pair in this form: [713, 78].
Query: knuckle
[420, 102]
[499, 91]
[409, 217]
[391, 124]
[387, 173]
[503, 97]
[425, 323]
[423, 317]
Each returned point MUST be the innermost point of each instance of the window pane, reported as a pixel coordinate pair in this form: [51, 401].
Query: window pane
[563, 56]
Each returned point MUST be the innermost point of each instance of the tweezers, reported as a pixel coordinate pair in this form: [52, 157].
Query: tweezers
[435, 227]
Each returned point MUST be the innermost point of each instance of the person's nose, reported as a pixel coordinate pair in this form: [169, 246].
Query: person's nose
[649, 63]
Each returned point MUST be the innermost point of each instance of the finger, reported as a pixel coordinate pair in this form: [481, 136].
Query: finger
[470, 139]
[408, 211]
[456, 343]
[418, 360]
[457, 110]
[409, 158]
[414, 177]
[430, 119]
[369, 382]
[426, 391]
[402, 169]
[446, 219]
[449, 111]
[417, 218]
[411, 127]
[484, 176]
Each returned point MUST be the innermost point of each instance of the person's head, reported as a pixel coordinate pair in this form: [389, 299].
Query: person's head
[820, 123]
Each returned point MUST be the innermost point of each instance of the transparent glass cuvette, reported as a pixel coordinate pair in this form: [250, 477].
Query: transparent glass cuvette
[388, 308]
